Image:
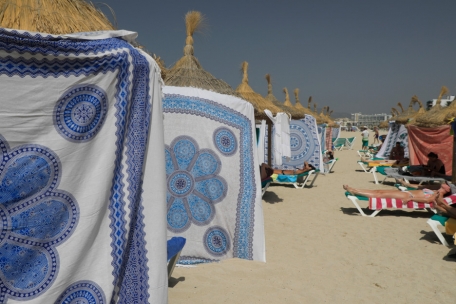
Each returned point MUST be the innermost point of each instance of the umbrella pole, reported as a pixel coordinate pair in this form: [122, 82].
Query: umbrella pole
[269, 123]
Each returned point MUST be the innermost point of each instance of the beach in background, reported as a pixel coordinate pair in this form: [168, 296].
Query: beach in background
[319, 249]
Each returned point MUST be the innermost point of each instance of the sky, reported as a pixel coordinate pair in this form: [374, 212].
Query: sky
[353, 56]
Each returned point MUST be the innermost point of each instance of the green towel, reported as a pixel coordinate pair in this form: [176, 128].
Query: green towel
[440, 218]
[361, 198]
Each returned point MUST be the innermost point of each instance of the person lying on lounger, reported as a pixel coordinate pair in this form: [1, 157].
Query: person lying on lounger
[265, 170]
[421, 196]
[444, 208]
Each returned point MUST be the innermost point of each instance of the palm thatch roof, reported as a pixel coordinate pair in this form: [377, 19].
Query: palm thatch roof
[299, 106]
[161, 64]
[384, 124]
[317, 116]
[259, 102]
[188, 72]
[435, 116]
[55, 17]
[290, 110]
[410, 114]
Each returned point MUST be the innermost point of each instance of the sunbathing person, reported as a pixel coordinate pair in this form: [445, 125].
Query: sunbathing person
[420, 196]
[267, 171]
[444, 208]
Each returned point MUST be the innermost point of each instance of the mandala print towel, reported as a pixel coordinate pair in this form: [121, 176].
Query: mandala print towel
[322, 136]
[213, 182]
[335, 133]
[304, 143]
[397, 133]
[77, 224]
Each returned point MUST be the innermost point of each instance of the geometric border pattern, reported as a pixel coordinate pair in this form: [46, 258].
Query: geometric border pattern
[244, 226]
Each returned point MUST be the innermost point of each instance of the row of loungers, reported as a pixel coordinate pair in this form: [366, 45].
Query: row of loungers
[378, 204]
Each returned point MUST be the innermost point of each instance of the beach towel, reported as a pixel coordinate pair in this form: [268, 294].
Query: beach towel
[261, 141]
[329, 145]
[396, 133]
[426, 140]
[335, 133]
[322, 136]
[81, 196]
[305, 145]
[280, 137]
[384, 203]
[213, 177]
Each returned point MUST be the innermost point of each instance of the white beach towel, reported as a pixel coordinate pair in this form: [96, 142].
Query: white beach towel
[213, 177]
[76, 120]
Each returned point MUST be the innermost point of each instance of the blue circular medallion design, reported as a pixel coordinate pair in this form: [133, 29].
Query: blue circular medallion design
[225, 141]
[216, 241]
[80, 112]
[180, 183]
[193, 183]
[82, 292]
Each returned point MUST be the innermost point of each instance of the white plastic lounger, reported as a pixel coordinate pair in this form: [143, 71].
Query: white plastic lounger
[329, 165]
[339, 143]
[349, 143]
[378, 204]
[299, 180]
[394, 173]
[434, 222]
[265, 185]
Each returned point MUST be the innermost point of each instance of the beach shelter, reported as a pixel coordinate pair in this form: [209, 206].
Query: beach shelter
[431, 133]
[300, 107]
[212, 170]
[287, 108]
[78, 113]
[410, 114]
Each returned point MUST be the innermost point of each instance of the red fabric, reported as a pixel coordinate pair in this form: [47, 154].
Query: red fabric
[328, 138]
[376, 203]
[425, 140]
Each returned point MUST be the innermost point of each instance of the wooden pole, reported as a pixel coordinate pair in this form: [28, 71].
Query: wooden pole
[269, 122]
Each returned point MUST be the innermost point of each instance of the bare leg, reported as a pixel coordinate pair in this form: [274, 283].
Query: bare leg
[418, 195]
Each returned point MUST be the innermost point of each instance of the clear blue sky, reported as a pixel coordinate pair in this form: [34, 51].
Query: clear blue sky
[354, 55]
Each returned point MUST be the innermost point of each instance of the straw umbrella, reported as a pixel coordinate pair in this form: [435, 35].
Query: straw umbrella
[188, 72]
[161, 64]
[259, 103]
[300, 107]
[291, 110]
[410, 114]
[53, 17]
[435, 116]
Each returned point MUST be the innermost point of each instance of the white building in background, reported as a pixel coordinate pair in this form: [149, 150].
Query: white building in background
[369, 120]
[444, 102]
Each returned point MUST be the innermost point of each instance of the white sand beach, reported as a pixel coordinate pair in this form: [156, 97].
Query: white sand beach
[319, 249]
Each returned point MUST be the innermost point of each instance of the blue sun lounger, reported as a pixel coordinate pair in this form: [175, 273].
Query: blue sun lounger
[299, 180]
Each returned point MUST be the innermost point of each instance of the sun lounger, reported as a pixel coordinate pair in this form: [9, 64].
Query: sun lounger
[265, 185]
[174, 249]
[349, 143]
[339, 143]
[378, 204]
[394, 173]
[329, 165]
[434, 222]
[298, 181]
[367, 166]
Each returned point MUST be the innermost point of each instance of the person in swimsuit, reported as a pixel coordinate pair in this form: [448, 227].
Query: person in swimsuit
[376, 140]
[267, 171]
[420, 196]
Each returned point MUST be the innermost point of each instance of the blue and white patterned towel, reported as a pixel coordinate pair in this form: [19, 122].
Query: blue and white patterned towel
[305, 145]
[77, 225]
[214, 187]
[396, 133]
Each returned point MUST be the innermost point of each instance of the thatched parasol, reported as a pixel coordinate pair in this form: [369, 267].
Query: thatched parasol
[384, 124]
[410, 114]
[290, 110]
[188, 72]
[298, 106]
[259, 103]
[52, 17]
[400, 106]
[161, 64]
[435, 116]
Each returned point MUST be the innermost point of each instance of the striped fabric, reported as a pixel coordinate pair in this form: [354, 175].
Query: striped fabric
[391, 203]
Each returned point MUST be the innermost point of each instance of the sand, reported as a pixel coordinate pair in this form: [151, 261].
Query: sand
[320, 250]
